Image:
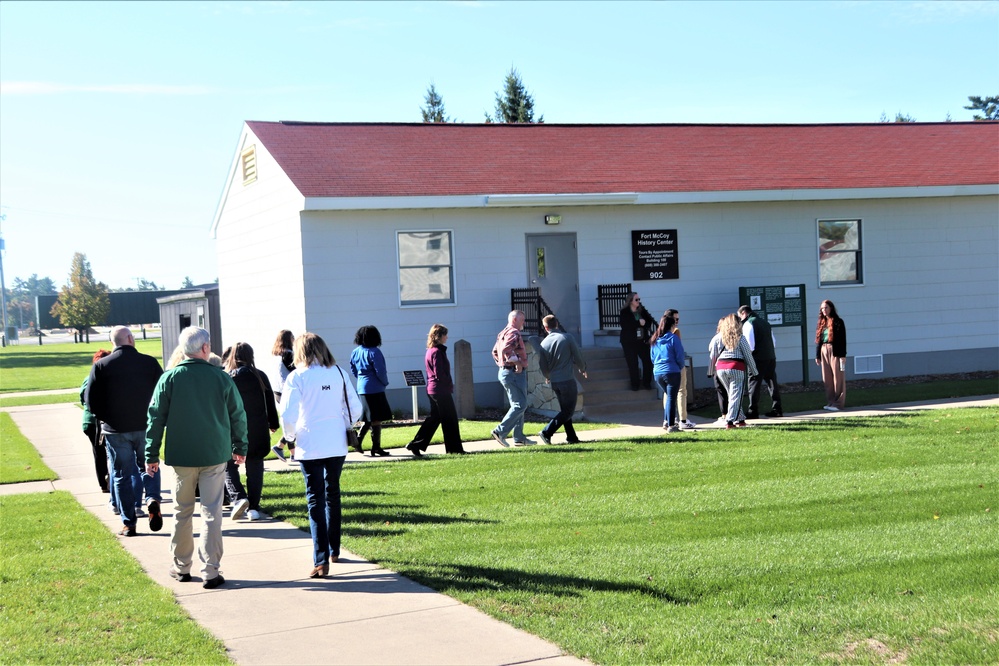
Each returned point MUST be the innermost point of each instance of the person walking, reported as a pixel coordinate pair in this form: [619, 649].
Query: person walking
[368, 365]
[830, 355]
[92, 429]
[715, 349]
[199, 408]
[681, 395]
[315, 404]
[760, 337]
[668, 362]
[118, 392]
[511, 357]
[636, 329]
[732, 364]
[440, 389]
[261, 420]
[278, 367]
[559, 357]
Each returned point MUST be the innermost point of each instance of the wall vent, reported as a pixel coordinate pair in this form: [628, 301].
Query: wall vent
[868, 365]
[248, 158]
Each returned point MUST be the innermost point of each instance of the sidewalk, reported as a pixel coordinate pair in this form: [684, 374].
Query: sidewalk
[269, 612]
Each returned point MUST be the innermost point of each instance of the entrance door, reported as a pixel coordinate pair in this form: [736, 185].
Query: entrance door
[553, 266]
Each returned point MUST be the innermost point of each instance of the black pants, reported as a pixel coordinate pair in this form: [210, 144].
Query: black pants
[767, 369]
[566, 392]
[100, 457]
[254, 481]
[722, 395]
[443, 414]
[633, 351]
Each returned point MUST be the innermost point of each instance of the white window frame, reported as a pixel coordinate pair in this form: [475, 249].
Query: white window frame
[859, 252]
[453, 301]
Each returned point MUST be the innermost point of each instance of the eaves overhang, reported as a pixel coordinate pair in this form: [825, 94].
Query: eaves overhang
[640, 198]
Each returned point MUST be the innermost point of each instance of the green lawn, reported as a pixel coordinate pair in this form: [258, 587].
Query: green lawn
[852, 540]
[72, 595]
[39, 368]
[19, 461]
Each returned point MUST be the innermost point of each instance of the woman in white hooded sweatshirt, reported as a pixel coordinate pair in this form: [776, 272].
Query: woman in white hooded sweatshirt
[318, 404]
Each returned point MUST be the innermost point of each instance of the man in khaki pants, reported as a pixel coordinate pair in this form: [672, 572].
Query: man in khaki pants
[202, 412]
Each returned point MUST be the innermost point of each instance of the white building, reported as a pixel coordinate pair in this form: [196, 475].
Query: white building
[327, 227]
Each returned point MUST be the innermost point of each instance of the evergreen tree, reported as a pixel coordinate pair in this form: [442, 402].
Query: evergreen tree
[21, 298]
[989, 106]
[433, 112]
[83, 302]
[515, 105]
[187, 283]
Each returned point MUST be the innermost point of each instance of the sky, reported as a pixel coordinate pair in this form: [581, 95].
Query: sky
[119, 121]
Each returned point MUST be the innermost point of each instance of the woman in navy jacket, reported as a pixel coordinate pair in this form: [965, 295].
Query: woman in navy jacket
[368, 365]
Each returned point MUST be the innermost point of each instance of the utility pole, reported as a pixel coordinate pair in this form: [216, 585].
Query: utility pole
[3, 289]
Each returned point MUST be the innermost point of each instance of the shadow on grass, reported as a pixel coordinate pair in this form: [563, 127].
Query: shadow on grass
[457, 578]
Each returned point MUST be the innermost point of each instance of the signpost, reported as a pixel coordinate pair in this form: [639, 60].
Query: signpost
[414, 379]
[654, 255]
[782, 305]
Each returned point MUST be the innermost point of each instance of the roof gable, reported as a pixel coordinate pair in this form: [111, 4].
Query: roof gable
[399, 160]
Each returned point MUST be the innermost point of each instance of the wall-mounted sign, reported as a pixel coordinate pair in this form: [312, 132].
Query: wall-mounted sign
[654, 255]
[782, 306]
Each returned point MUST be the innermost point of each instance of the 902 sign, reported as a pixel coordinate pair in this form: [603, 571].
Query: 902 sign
[656, 275]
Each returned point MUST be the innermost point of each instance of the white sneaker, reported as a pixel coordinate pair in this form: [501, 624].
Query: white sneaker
[688, 425]
[524, 442]
[253, 514]
[831, 408]
[239, 508]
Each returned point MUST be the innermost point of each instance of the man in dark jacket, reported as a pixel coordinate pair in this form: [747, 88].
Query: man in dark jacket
[760, 336]
[118, 392]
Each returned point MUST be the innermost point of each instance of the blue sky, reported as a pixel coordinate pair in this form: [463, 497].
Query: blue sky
[118, 121]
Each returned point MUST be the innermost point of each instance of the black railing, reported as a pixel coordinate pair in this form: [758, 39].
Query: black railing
[610, 301]
[535, 309]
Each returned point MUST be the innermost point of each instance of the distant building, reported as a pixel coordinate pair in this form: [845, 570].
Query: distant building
[327, 227]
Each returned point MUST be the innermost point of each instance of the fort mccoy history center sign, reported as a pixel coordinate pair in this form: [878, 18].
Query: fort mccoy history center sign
[654, 255]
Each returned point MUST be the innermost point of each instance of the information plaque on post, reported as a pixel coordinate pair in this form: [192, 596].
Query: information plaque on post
[782, 305]
[654, 255]
[415, 379]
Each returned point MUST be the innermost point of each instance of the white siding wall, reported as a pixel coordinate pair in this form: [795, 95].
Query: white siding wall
[259, 245]
[930, 268]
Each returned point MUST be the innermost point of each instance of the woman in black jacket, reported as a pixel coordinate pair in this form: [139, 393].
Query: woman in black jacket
[261, 421]
[636, 329]
[830, 355]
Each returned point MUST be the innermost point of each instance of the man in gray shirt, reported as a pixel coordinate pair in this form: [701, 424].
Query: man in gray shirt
[559, 356]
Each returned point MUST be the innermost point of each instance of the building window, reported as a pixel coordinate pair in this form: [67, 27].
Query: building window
[248, 160]
[840, 260]
[426, 267]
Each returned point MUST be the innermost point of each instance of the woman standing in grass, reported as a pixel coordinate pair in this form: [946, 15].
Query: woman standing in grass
[439, 390]
[830, 355]
[261, 421]
[732, 364]
[368, 365]
[667, 364]
[314, 405]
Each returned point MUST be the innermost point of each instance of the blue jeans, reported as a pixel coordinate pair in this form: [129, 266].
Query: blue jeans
[515, 384]
[566, 392]
[128, 450]
[322, 493]
[670, 383]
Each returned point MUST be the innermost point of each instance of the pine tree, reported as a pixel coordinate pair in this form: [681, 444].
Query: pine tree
[433, 112]
[515, 105]
[83, 302]
[989, 106]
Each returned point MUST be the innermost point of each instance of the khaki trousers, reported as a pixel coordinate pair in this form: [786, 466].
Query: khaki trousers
[833, 378]
[210, 482]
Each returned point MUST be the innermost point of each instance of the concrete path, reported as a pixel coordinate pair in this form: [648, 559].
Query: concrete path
[270, 612]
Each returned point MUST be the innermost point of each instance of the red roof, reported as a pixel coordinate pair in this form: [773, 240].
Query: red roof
[391, 160]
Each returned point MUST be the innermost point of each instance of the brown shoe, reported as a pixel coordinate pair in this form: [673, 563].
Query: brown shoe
[320, 571]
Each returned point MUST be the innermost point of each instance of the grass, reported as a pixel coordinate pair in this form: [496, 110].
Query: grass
[851, 540]
[19, 461]
[72, 595]
[61, 366]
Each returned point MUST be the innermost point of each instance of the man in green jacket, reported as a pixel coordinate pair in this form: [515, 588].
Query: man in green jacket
[200, 408]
